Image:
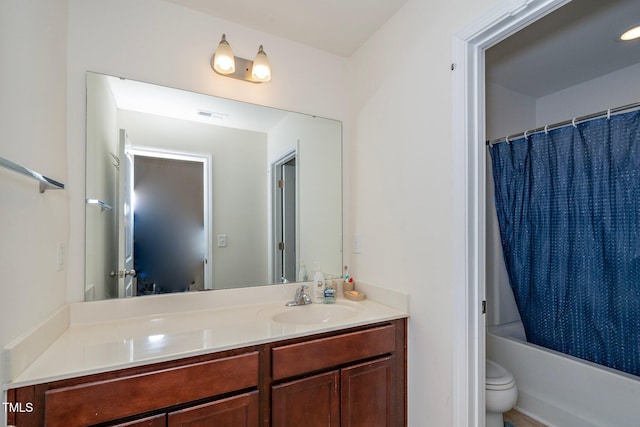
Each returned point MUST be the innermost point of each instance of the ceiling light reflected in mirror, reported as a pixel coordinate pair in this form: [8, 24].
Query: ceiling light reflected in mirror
[631, 34]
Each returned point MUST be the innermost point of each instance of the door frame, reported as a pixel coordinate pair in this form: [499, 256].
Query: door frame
[276, 215]
[468, 149]
[126, 283]
[207, 185]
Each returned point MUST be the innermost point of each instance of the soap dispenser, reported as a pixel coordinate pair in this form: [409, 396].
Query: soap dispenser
[330, 292]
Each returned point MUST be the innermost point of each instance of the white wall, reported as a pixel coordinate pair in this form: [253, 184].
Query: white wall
[102, 184]
[319, 197]
[33, 40]
[508, 112]
[401, 171]
[319, 179]
[609, 91]
[239, 189]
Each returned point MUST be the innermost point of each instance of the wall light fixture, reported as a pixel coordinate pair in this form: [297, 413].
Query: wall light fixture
[225, 63]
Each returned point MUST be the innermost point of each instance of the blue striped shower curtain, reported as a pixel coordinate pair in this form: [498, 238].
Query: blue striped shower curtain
[568, 205]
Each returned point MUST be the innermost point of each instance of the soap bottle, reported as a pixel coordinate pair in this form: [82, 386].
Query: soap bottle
[318, 287]
[330, 292]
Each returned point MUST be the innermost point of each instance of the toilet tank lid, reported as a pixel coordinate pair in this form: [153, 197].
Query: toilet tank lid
[496, 374]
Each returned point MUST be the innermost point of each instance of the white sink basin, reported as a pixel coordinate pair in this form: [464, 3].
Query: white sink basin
[311, 313]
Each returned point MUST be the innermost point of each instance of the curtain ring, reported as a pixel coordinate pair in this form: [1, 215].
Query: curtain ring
[525, 134]
[609, 114]
[573, 122]
[507, 139]
[546, 129]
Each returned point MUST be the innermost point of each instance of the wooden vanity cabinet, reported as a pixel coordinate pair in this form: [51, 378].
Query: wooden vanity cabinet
[364, 384]
[349, 378]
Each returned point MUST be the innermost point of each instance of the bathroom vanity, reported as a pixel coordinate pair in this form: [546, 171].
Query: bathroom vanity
[353, 377]
[345, 371]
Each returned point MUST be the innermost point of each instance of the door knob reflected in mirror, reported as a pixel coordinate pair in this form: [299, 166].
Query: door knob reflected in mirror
[122, 273]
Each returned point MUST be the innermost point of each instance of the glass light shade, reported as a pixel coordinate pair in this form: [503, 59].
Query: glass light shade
[261, 70]
[224, 62]
[631, 34]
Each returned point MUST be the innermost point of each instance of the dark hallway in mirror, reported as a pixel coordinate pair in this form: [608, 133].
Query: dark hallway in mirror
[169, 241]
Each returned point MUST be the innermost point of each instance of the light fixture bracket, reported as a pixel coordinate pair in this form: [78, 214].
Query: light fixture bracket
[242, 72]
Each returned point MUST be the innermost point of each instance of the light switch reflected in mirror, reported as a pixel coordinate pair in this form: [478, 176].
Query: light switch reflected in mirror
[206, 193]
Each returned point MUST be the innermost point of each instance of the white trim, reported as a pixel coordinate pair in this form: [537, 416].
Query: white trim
[468, 136]
[275, 214]
[162, 153]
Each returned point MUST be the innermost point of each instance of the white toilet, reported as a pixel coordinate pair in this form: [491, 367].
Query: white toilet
[501, 393]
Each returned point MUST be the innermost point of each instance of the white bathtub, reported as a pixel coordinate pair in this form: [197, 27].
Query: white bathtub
[561, 390]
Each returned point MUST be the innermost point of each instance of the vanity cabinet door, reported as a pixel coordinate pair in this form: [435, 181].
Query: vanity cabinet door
[308, 402]
[236, 411]
[367, 394]
[155, 421]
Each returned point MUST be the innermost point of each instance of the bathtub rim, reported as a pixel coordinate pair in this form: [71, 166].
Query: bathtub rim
[515, 332]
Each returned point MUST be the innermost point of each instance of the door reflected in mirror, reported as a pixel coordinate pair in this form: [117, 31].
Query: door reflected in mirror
[205, 193]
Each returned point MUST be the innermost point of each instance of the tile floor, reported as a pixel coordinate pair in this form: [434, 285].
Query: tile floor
[519, 419]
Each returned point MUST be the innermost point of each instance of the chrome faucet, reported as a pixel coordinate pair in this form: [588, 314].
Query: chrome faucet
[301, 297]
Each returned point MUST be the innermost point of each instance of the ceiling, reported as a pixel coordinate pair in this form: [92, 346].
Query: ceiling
[336, 26]
[576, 43]
[572, 45]
[183, 105]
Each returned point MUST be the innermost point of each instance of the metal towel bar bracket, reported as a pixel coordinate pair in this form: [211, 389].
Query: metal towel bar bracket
[45, 182]
[103, 205]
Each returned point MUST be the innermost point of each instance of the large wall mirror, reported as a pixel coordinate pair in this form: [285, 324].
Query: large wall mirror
[190, 192]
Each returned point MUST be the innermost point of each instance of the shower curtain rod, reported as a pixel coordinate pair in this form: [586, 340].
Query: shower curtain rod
[606, 113]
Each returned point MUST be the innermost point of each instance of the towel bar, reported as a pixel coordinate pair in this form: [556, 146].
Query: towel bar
[45, 182]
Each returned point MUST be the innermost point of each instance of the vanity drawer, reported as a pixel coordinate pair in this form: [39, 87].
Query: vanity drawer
[309, 356]
[100, 401]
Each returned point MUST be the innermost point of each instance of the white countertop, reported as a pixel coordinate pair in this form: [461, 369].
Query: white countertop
[122, 341]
